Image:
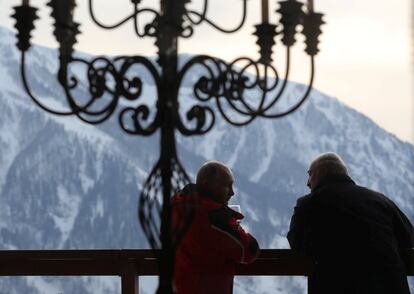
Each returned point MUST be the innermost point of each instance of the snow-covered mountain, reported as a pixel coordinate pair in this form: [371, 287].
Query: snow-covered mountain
[65, 184]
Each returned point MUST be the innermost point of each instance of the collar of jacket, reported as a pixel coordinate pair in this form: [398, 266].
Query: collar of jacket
[333, 179]
[207, 194]
[192, 188]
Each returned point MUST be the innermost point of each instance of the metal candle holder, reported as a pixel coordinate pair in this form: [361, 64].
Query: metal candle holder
[222, 90]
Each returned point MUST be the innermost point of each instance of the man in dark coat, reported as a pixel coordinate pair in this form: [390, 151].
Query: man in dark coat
[357, 236]
[215, 241]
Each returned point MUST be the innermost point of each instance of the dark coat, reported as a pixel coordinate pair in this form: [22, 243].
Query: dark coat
[357, 237]
[214, 243]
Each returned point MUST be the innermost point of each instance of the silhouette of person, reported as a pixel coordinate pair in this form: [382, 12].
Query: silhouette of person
[215, 241]
[358, 237]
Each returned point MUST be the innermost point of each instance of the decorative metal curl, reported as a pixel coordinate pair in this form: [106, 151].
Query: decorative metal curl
[133, 16]
[34, 98]
[132, 90]
[186, 31]
[227, 84]
[202, 17]
[218, 83]
[301, 100]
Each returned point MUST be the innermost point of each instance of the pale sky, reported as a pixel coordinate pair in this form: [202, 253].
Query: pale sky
[365, 59]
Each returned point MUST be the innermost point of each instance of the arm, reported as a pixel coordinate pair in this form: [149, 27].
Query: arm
[228, 237]
[299, 230]
[403, 230]
[404, 233]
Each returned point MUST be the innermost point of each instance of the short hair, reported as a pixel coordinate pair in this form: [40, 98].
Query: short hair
[329, 163]
[210, 171]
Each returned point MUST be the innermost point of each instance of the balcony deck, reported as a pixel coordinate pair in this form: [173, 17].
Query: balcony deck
[129, 264]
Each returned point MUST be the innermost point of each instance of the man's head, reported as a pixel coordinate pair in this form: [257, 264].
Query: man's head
[325, 165]
[216, 178]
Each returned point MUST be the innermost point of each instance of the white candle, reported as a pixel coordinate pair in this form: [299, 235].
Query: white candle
[265, 11]
[310, 5]
[25, 3]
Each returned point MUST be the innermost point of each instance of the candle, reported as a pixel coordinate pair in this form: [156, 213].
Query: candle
[265, 11]
[25, 3]
[310, 5]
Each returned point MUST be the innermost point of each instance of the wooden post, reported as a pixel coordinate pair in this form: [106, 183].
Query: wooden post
[130, 284]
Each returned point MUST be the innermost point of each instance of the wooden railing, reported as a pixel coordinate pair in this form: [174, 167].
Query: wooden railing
[130, 264]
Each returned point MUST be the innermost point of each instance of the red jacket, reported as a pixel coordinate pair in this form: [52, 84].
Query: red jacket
[215, 241]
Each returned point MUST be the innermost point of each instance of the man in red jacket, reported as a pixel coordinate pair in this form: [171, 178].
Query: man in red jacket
[215, 241]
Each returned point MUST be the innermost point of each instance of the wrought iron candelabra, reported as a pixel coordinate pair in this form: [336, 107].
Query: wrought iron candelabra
[224, 89]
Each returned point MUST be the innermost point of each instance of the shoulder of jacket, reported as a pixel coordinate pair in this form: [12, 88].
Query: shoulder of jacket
[304, 200]
[188, 190]
[377, 194]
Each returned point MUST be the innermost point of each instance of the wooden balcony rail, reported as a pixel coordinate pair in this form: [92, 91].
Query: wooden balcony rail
[129, 264]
